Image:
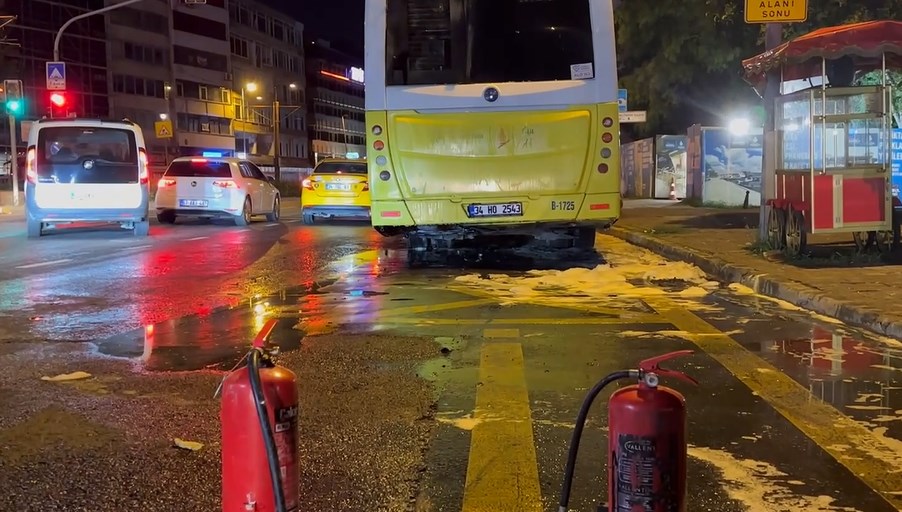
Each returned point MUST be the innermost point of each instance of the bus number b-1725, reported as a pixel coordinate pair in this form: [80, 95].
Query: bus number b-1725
[494, 210]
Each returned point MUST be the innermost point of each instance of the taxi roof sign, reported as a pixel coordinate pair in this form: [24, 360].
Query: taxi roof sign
[776, 11]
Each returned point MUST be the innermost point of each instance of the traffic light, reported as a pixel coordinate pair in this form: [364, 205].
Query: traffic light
[15, 104]
[58, 99]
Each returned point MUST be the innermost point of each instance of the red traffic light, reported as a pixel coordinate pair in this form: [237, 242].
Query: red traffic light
[58, 99]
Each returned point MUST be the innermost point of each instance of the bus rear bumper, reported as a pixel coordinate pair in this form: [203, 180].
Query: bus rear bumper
[600, 210]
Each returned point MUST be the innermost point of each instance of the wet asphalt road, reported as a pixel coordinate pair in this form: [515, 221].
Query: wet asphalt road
[429, 390]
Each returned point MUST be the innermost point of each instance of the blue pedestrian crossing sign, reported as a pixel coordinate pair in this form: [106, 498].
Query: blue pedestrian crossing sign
[621, 100]
[56, 76]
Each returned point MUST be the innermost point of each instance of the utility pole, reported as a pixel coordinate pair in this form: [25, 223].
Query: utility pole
[773, 37]
[14, 158]
[773, 19]
[276, 139]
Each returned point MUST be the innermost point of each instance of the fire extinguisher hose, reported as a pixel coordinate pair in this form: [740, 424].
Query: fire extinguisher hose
[567, 485]
[255, 362]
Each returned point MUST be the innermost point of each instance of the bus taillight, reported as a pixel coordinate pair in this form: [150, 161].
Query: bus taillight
[378, 145]
[607, 122]
[602, 168]
[607, 137]
[377, 130]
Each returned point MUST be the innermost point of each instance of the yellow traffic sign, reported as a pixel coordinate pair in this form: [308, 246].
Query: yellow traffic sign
[776, 11]
[163, 129]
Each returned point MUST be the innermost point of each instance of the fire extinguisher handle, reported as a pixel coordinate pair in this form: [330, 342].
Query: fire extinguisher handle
[263, 336]
[652, 365]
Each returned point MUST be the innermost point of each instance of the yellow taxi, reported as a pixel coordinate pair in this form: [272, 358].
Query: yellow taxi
[337, 188]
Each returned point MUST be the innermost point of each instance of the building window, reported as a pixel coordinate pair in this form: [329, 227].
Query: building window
[140, 20]
[262, 23]
[263, 56]
[201, 59]
[200, 26]
[127, 84]
[278, 30]
[180, 89]
[225, 96]
[202, 92]
[239, 14]
[239, 47]
[204, 124]
[145, 54]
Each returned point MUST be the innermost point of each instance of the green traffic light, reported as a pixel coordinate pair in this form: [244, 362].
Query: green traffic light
[14, 106]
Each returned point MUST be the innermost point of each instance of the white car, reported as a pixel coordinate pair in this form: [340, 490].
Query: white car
[86, 170]
[216, 188]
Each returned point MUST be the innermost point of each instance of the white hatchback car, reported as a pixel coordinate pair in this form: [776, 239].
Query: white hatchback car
[216, 188]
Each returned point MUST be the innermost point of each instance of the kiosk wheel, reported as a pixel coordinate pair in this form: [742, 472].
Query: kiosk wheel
[796, 236]
[776, 228]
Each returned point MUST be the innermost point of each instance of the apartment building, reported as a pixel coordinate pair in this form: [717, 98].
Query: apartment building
[335, 102]
[169, 60]
[82, 47]
[267, 55]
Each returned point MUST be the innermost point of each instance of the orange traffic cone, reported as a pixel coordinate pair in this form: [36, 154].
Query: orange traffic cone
[673, 196]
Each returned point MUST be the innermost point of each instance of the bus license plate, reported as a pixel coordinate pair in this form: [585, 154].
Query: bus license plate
[193, 202]
[495, 210]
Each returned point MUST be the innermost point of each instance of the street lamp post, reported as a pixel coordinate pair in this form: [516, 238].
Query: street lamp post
[276, 135]
[276, 123]
[59, 34]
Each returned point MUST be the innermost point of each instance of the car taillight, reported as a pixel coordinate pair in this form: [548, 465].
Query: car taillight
[165, 182]
[31, 172]
[366, 186]
[307, 184]
[143, 171]
[225, 184]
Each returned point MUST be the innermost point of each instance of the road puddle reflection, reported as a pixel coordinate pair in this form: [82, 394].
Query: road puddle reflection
[218, 338]
[858, 373]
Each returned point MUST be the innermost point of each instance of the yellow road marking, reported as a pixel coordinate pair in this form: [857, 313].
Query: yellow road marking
[501, 333]
[648, 319]
[502, 472]
[846, 440]
[432, 308]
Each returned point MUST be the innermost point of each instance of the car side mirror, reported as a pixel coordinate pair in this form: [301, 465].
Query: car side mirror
[272, 179]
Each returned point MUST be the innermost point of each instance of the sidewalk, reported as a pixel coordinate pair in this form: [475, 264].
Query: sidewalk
[7, 210]
[860, 290]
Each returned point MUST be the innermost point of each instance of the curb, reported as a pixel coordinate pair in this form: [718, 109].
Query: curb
[764, 284]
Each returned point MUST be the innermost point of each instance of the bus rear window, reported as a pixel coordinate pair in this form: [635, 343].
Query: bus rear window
[478, 41]
[199, 169]
[80, 154]
[339, 168]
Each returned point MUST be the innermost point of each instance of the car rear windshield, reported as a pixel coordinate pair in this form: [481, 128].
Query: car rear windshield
[339, 168]
[199, 169]
[478, 41]
[80, 154]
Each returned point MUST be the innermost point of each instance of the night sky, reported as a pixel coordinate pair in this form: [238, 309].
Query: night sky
[340, 21]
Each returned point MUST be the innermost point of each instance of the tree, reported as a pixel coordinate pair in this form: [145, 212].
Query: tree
[894, 79]
[681, 61]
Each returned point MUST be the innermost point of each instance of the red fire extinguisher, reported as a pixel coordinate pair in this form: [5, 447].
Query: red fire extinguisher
[259, 418]
[646, 441]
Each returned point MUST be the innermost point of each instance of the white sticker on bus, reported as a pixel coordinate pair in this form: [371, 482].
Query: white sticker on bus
[581, 71]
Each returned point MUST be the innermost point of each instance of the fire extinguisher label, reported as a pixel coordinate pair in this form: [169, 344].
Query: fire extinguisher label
[641, 479]
[286, 434]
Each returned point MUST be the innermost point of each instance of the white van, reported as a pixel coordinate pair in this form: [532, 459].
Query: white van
[86, 170]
